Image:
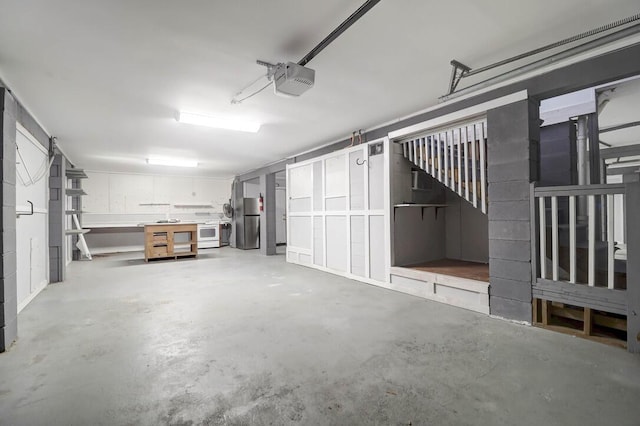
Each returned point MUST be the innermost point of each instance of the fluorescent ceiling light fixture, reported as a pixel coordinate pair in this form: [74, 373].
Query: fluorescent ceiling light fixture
[218, 122]
[174, 162]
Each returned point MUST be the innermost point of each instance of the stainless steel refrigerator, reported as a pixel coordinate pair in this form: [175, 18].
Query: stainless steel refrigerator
[248, 228]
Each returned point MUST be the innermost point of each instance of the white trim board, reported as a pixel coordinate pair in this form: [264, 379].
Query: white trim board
[457, 116]
[32, 296]
[461, 292]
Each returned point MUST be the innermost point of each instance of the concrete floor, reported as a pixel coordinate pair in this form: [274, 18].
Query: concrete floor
[234, 338]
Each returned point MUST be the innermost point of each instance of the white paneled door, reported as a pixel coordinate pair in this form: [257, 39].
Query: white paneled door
[32, 196]
[337, 211]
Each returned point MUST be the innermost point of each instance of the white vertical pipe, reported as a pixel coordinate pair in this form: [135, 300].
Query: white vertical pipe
[592, 240]
[572, 239]
[473, 169]
[483, 170]
[421, 152]
[459, 161]
[543, 239]
[466, 163]
[415, 152]
[582, 158]
[554, 237]
[610, 240]
[445, 157]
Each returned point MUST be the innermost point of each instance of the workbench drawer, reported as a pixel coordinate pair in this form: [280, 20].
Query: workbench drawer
[159, 237]
[159, 251]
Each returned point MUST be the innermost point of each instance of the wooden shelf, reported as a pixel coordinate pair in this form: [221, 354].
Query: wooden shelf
[195, 205]
[76, 174]
[75, 191]
[422, 206]
[160, 241]
[76, 231]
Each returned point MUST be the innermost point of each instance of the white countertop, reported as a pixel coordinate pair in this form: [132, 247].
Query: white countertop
[141, 224]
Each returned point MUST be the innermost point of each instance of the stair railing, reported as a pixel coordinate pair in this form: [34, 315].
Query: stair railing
[572, 246]
[456, 157]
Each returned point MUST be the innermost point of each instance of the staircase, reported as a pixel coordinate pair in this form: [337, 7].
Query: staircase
[456, 157]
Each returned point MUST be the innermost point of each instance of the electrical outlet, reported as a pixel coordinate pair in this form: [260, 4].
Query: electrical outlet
[376, 148]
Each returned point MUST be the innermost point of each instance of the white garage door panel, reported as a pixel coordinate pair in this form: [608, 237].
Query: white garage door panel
[300, 182]
[335, 176]
[337, 243]
[376, 248]
[345, 221]
[300, 232]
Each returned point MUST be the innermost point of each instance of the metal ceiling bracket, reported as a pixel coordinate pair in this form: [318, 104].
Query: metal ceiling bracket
[457, 73]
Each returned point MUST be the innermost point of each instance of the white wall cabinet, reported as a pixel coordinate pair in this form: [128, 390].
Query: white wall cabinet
[338, 212]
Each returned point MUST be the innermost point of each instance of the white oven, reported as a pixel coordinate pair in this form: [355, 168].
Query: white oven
[208, 235]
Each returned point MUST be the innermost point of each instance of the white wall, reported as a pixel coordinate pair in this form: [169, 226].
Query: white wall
[118, 196]
[281, 215]
[32, 235]
[120, 199]
[419, 235]
[467, 231]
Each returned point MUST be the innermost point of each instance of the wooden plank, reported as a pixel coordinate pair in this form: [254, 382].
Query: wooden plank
[535, 305]
[483, 169]
[459, 161]
[445, 157]
[543, 238]
[594, 304]
[632, 228]
[620, 151]
[578, 333]
[592, 240]
[570, 313]
[599, 189]
[452, 159]
[610, 322]
[473, 167]
[614, 301]
[432, 144]
[466, 163]
[572, 239]
[439, 149]
[425, 147]
[588, 321]
[554, 238]
[546, 311]
[610, 241]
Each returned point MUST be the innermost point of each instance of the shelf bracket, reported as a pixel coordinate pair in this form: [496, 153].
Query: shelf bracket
[457, 74]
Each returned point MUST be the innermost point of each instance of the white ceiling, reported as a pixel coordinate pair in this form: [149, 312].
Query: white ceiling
[107, 77]
[623, 107]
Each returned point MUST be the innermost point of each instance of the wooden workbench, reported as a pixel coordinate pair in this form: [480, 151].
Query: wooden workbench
[170, 240]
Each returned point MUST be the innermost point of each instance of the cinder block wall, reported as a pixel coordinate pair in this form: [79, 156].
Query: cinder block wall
[513, 141]
[8, 280]
[57, 217]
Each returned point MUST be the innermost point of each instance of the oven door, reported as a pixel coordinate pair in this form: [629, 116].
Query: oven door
[208, 236]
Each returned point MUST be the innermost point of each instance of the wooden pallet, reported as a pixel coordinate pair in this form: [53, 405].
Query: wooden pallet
[600, 326]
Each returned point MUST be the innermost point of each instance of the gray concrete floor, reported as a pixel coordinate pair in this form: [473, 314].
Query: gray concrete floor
[240, 339]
